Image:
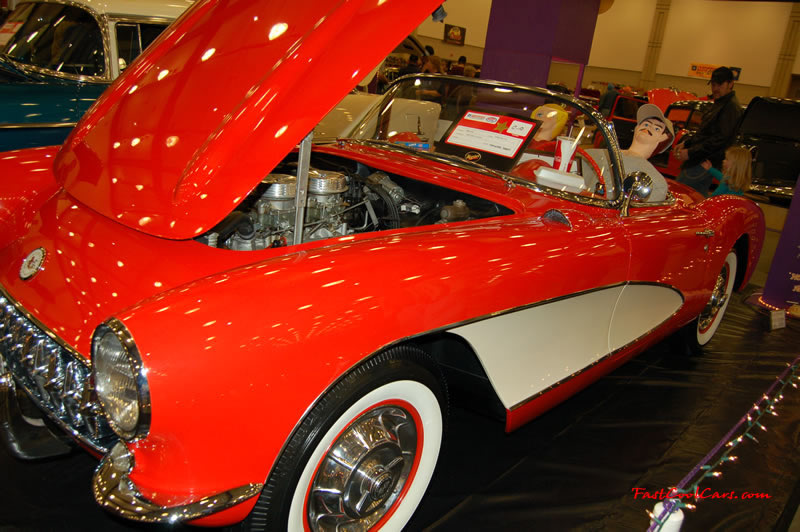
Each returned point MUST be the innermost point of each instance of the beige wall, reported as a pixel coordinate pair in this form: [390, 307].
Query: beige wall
[621, 35]
[746, 34]
[470, 14]
[743, 34]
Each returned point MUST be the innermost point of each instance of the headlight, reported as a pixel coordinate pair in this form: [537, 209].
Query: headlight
[119, 381]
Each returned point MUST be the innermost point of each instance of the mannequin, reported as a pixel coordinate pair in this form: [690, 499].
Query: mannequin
[653, 134]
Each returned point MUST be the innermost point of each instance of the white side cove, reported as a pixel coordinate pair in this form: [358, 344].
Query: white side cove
[526, 351]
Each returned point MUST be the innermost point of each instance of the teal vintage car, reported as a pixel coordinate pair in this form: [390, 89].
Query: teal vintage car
[57, 57]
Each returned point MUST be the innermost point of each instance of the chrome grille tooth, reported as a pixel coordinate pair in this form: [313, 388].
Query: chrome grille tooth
[73, 389]
[55, 378]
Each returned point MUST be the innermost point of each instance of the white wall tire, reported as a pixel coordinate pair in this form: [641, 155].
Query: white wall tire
[708, 321]
[363, 455]
[410, 492]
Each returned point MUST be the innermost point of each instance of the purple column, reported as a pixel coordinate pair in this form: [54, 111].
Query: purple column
[525, 35]
[782, 288]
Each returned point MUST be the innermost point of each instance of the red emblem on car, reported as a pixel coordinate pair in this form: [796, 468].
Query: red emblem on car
[32, 263]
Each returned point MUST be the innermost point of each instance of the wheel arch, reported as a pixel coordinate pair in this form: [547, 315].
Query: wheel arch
[465, 375]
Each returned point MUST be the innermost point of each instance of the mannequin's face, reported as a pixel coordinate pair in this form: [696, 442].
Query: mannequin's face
[549, 118]
[649, 134]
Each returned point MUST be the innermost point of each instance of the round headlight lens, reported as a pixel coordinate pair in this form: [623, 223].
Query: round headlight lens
[119, 382]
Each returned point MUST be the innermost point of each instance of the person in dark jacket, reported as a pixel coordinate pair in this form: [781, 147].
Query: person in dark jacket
[716, 133]
[607, 100]
[412, 67]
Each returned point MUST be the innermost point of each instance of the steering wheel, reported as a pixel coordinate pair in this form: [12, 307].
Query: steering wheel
[551, 146]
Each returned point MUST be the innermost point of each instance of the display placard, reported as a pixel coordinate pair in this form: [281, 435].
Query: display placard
[777, 319]
[493, 139]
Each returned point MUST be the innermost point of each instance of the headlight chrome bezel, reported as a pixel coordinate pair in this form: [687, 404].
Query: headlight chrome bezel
[134, 359]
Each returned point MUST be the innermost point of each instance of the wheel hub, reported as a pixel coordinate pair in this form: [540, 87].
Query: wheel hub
[364, 471]
[716, 302]
[371, 482]
[380, 486]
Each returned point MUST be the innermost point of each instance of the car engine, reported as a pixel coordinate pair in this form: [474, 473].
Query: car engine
[340, 204]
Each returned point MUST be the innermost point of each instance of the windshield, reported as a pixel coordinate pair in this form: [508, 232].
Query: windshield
[56, 37]
[772, 118]
[531, 134]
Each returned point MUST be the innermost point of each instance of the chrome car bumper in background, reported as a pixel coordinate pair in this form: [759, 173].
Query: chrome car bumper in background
[52, 377]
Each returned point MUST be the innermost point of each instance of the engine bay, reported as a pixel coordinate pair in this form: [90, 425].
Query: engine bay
[343, 198]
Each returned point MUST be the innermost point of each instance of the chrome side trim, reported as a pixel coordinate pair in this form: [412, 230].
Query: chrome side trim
[115, 17]
[33, 125]
[114, 491]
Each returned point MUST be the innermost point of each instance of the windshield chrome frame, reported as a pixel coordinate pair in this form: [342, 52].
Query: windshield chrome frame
[104, 22]
[605, 127]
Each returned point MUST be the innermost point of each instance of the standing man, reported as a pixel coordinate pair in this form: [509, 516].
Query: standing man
[457, 69]
[716, 133]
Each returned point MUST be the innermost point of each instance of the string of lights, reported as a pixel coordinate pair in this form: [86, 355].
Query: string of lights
[688, 487]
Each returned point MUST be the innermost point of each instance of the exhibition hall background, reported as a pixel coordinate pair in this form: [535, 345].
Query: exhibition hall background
[651, 43]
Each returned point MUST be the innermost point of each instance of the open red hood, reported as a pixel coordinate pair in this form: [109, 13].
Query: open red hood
[218, 100]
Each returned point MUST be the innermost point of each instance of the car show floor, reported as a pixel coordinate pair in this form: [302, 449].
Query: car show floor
[595, 462]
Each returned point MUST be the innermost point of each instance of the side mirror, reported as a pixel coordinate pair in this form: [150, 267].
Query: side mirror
[637, 187]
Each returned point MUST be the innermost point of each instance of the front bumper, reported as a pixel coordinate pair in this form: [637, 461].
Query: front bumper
[114, 491]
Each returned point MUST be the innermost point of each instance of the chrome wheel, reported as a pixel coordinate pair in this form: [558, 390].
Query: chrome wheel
[365, 471]
[373, 463]
[712, 314]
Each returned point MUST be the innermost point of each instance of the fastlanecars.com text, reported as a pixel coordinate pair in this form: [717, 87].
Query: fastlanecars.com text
[698, 494]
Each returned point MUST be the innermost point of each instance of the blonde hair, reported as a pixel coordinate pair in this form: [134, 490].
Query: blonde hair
[556, 111]
[740, 172]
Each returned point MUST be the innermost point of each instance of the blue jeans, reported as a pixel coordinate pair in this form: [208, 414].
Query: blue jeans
[696, 177]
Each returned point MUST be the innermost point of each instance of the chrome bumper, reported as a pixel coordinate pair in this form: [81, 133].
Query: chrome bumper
[114, 491]
[772, 190]
[25, 437]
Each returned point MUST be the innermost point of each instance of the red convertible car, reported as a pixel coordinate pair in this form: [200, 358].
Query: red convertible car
[250, 327]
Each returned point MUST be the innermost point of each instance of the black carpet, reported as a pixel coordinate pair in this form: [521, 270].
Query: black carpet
[577, 467]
